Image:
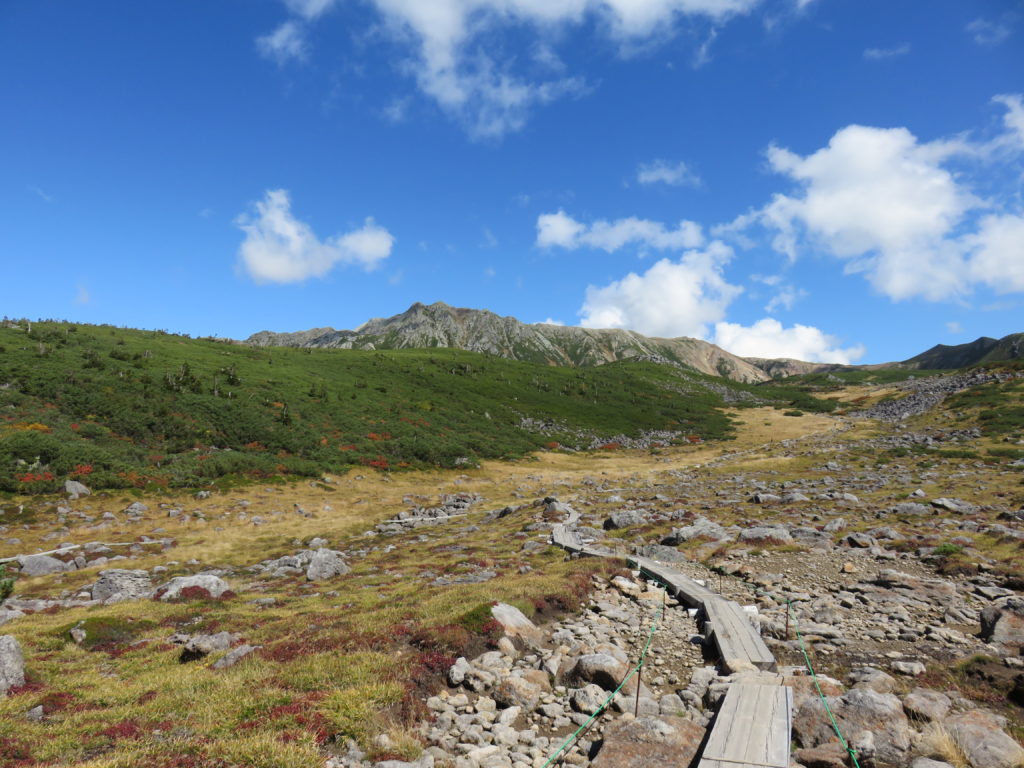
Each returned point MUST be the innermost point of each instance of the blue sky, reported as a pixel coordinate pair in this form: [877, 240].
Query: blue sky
[824, 179]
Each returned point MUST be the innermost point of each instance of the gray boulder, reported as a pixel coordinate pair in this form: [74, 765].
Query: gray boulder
[42, 565]
[9, 614]
[701, 528]
[516, 624]
[12, 664]
[202, 645]
[873, 722]
[602, 669]
[983, 742]
[954, 505]
[214, 585]
[75, 489]
[115, 586]
[235, 656]
[925, 704]
[1002, 623]
[623, 519]
[774, 534]
[326, 564]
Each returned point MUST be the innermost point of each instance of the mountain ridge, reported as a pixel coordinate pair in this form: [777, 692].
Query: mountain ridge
[483, 331]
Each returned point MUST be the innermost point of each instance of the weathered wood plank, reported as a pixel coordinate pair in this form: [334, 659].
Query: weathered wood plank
[735, 637]
[752, 728]
[683, 587]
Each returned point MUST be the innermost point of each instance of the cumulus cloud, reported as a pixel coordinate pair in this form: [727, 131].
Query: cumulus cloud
[278, 248]
[466, 80]
[672, 298]
[877, 54]
[997, 253]
[768, 338]
[954, 327]
[662, 172]
[563, 231]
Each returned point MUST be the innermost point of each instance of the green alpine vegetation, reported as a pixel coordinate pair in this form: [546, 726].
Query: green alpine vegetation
[115, 407]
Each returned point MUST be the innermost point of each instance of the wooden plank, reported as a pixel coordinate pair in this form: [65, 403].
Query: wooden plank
[752, 728]
[683, 587]
[734, 635]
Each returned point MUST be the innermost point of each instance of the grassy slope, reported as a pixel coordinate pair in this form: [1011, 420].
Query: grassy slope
[123, 408]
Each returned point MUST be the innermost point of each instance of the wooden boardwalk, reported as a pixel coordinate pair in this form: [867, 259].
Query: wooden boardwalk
[752, 728]
[735, 638]
[754, 722]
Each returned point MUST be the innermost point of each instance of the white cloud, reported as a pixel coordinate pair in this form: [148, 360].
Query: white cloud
[560, 229]
[82, 296]
[880, 200]
[768, 338]
[549, 321]
[893, 209]
[672, 298]
[987, 32]
[877, 54]
[954, 327]
[278, 248]
[286, 42]
[997, 253]
[787, 296]
[1013, 119]
[663, 172]
[466, 80]
[309, 9]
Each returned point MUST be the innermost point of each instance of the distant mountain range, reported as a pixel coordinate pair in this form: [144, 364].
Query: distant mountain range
[476, 330]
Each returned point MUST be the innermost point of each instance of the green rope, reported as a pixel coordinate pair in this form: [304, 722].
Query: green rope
[611, 696]
[807, 660]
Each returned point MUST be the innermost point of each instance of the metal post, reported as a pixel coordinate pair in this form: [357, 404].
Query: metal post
[639, 680]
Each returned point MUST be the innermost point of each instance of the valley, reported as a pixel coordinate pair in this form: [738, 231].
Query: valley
[355, 626]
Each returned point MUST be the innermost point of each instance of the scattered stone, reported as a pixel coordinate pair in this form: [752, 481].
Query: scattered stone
[115, 586]
[516, 624]
[75, 489]
[234, 656]
[41, 565]
[326, 564]
[214, 586]
[12, 664]
[983, 741]
[1002, 623]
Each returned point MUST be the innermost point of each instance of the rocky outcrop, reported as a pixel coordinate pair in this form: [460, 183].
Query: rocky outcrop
[201, 585]
[1002, 623]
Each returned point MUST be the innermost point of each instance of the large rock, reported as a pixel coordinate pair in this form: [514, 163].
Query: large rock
[41, 565]
[115, 586]
[1002, 623]
[326, 564]
[517, 692]
[701, 528]
[983, 742]
[214, 586]
[760, 534]
[75, 489]
[516, 624]
[649, 741]
[602, 669]
[924, 704]
[12, 664]
[873, 722]
[623, 519]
